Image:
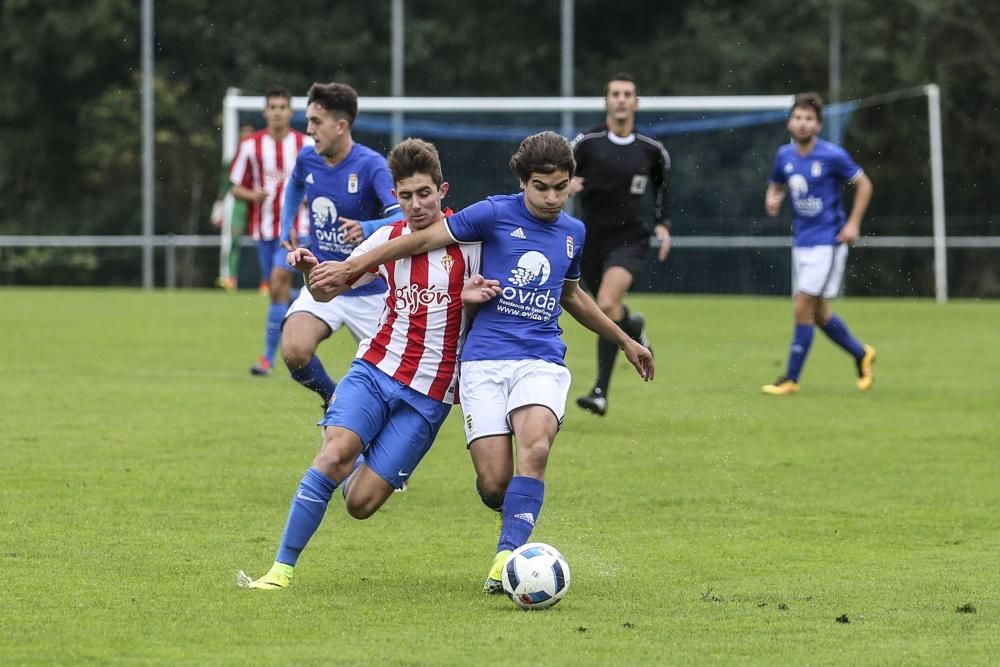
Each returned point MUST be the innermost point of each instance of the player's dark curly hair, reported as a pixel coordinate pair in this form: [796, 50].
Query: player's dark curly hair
[338, 98]
[543, 153]
[415, 156]
[809, 101]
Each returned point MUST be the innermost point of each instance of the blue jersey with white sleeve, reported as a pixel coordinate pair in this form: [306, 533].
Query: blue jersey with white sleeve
[531, 258]
[815, 183]
[359, 188]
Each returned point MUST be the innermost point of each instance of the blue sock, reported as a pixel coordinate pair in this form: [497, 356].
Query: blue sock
[800, 348]
[521, 507]
[272, 329]
[305, 515]
[838, 332]
[313, 376]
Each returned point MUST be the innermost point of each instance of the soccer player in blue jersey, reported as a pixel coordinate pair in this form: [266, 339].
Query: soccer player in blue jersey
[514, 380]
[815, 171]
[343, 183]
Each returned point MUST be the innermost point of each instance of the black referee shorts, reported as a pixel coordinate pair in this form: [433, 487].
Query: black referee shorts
[617, 247]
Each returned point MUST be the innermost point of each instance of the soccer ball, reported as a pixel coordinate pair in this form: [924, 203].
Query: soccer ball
[536, 576]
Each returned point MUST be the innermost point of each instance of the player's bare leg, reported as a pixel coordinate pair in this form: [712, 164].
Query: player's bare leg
[365, 492]
[493, 460]
[300, 337]
[535, 429]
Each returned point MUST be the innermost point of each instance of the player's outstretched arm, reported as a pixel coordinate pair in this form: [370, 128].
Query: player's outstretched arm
[333, 274]
[578, 303]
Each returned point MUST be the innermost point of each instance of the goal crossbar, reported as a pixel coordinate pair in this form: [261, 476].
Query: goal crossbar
[234, 102]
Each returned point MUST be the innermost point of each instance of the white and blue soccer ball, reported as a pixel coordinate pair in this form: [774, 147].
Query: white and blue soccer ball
[536, 576]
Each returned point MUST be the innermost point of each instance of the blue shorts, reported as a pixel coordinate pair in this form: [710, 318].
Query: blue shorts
[271, 256]
[397, 424]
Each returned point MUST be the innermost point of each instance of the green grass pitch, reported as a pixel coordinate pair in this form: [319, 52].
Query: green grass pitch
[704, 522]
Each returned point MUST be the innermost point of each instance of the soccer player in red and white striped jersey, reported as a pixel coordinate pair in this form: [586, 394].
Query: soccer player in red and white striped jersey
[262, 164]
[402, 383]
[421, 329]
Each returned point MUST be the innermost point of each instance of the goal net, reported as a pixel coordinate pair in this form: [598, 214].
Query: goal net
[721, 149]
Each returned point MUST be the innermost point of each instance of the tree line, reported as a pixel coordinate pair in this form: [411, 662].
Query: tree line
[70, 93]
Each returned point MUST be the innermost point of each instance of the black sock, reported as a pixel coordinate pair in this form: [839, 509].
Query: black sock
[607, 353]
[630, 325]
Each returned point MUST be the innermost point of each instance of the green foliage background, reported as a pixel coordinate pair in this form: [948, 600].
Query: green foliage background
[69, 95]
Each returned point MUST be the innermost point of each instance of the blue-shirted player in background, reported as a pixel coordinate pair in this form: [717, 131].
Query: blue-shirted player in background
[514, 380]
[343, 182]
[815, 171]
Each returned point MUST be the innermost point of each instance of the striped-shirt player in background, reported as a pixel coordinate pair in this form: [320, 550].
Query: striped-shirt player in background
[258, 172]
[402, 384]
[815, 172]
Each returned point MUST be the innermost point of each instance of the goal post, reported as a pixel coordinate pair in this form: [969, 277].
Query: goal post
[503, 120]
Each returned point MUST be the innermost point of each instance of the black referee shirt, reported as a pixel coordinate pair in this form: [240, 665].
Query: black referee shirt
[617, 172]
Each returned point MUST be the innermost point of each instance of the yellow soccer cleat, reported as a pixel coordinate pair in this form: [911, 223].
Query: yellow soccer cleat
[865, 375]
[781, 387]
[494, 581]
[279, 576]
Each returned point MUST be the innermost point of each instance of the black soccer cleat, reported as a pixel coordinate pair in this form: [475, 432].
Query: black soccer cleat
[594, 402]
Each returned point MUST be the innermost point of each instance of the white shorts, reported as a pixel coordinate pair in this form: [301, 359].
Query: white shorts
[359, 313]
[819, 270]
[491, 390]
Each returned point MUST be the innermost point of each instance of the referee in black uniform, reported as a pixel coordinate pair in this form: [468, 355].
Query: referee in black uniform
[615, 167]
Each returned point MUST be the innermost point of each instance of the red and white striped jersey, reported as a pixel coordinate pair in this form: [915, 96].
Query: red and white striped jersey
[263, 163]
[423, 325]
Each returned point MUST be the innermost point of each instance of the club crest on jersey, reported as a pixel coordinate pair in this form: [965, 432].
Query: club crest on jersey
[569, 247]
[447, 261]
[817, 168]
[352, 184]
